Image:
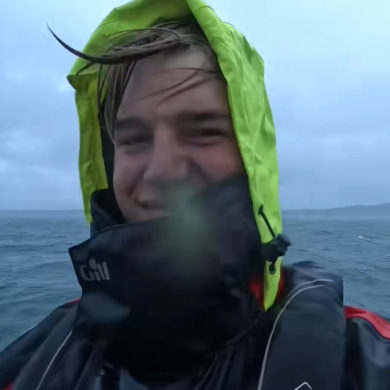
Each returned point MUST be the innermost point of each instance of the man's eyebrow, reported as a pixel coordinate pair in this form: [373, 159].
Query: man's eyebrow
[136, 123]
[130, 123]
[201, 116]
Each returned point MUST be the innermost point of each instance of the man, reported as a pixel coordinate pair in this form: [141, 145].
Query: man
[182, 284]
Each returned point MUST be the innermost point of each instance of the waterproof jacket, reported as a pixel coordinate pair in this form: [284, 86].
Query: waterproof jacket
[312, 343]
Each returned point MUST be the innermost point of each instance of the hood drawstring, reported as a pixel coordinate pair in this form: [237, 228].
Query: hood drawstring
[277, 247]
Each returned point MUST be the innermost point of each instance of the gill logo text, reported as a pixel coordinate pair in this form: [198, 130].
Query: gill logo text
[94, 271]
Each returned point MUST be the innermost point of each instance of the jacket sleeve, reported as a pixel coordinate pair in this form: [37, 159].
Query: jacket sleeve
[368, 358]
[18, 353]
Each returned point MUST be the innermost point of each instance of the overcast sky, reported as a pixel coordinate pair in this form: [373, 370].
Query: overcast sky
[327, 72]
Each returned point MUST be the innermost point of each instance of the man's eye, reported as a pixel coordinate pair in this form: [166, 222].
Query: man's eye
[205, 135]
[133, 140]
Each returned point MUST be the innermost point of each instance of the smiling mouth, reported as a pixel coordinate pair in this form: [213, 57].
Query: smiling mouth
[153, 204]
[154, 208]
[151, 207]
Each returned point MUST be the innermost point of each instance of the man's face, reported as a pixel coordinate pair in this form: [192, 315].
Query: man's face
[173, 134]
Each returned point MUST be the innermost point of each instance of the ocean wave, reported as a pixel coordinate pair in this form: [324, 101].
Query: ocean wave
[374, 240]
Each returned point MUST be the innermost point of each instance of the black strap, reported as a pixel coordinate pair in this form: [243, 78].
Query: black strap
[277, 247]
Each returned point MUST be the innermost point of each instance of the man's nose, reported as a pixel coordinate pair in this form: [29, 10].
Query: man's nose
[167, 162]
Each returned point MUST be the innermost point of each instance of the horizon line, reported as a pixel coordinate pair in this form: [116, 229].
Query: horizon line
[283, 210]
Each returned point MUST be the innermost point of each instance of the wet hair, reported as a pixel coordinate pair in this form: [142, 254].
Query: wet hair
[117, 64]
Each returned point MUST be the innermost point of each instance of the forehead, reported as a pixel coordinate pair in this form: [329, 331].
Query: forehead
[168, 83]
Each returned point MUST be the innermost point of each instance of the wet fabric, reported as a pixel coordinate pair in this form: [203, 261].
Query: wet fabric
[303, 341]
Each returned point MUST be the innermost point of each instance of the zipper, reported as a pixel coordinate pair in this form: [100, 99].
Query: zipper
[60, 348]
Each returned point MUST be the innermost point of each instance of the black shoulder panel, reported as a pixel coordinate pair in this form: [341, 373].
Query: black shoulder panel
[16, 355]
[368, 351]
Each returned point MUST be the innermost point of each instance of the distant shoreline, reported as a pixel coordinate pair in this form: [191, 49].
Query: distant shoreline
[383, 206]
[378, 212]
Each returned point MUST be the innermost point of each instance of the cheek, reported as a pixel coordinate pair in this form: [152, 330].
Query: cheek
[125, 176]
[220, 162]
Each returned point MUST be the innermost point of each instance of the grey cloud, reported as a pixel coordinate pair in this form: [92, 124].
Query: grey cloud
[39, 127]
[327, 69]
[330, 171]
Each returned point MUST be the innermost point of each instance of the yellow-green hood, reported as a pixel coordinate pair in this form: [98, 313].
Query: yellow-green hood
[243, 70]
